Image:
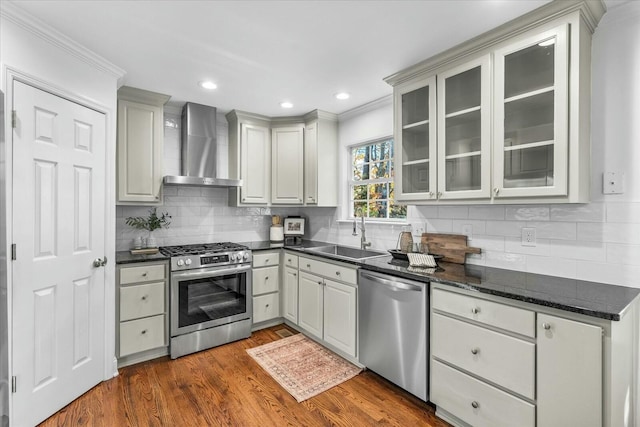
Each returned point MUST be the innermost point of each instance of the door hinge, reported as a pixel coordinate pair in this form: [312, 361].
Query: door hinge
[14, 119]
[14, 384]
[14, 252]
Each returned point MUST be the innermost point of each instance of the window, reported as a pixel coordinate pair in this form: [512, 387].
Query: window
[371, 186]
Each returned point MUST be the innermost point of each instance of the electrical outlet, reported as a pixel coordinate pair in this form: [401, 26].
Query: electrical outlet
[467, 230]
[528, 236]
[417, 228]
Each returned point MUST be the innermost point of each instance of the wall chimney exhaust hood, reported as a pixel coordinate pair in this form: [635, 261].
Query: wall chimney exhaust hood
[200, 152]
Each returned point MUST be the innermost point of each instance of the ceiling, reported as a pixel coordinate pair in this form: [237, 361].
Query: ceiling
[260, 53]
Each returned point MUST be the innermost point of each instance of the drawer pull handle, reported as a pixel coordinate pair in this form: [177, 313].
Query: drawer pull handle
[546, 326]
[144, 331]
[144, 297]
[475, 350]
[475, 310]
[475, 404]
[144, 274]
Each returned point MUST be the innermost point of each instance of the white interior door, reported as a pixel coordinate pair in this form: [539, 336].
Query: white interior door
[58, 227]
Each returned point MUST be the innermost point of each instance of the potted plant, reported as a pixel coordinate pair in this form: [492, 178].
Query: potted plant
[150, 223]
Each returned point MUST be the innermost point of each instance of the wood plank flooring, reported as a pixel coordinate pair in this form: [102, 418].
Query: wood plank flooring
[224, 386]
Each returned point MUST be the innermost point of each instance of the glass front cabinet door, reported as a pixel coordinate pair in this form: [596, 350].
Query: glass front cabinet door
[531, 115]
[415, 131]
[464, 131]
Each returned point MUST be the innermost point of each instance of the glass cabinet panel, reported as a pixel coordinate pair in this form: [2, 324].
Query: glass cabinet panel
[417, 142]
[532, 95]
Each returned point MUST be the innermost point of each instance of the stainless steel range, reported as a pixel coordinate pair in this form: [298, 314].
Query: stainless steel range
[210, 298]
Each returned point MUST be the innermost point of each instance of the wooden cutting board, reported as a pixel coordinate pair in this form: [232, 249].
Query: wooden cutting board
[453, 247]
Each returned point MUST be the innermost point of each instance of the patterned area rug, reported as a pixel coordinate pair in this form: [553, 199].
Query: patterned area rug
[303, 367]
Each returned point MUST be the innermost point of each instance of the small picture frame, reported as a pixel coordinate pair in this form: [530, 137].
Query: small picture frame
[294, 226]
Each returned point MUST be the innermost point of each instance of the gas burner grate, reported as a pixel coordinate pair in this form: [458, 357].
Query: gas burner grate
[201, 249]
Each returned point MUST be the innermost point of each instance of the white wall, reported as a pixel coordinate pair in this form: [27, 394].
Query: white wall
[598, 241]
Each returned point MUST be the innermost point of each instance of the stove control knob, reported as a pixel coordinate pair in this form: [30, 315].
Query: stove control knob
[245, 256]
[187, 262]
[232, 257]
[239, 256]
[180, 263]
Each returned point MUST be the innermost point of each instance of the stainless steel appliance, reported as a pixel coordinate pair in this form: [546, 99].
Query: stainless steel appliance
[394, 329]
[210, 299]
[203, 162]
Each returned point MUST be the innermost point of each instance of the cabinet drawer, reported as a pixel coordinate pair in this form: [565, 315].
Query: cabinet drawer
[141, 274]
[290, 260]
[265, 280]
[141, 300]
[142, 334]
[458, 393]
[491, 313]
[331, 271]
[265, 259]
[504, 360]
[266, 307]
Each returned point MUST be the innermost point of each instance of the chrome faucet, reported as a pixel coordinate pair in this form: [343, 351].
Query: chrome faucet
[363, 239]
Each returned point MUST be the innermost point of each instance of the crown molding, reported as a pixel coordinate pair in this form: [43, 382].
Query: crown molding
[13, 13]
[365, 108]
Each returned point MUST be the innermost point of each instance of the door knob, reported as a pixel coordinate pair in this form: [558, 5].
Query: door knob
[100, 262]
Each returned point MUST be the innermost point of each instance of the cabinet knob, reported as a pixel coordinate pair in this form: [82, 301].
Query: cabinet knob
[431, 194]
[308, 265]
[439, 194]
[475, 310]
[337, 273]
[320, 282]
[289, 260]
[496, 191]
[144, 274]
[295, 274]
[475, 350]
[144, 331]
[266, 261]
[475, 405]
[144, 297]
[546, 326]
[267, 305]
[266, 277]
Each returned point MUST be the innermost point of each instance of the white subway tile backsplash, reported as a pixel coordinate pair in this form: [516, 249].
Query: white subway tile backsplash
[478, 227]
[527, 213]
[626, 275]
[551, 266]
[609, 232]
[453, 212]
[623, 254]
[506, 260]
[593, 212]
[487, 212]
[623, 212]
[504, 228]
[439, 225]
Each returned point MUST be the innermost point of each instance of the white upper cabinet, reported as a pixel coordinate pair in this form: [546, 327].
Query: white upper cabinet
[140, 146]
[321, 159]
[415, 130]
[287, 181]
[249, 158]
[464, 131]
[512, 112]
[530, 121]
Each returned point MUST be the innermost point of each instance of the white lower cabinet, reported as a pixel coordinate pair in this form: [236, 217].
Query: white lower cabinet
[327, 303]
[143, 331]
[569, 373]
[290, 294]
[490, 368]
[265, 285]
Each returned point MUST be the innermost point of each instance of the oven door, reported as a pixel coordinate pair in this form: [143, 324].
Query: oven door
[208, 297]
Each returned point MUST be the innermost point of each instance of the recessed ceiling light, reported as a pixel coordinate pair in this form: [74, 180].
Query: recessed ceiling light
[208, 84]
[342, 96]
[286, 104]
[547, 42]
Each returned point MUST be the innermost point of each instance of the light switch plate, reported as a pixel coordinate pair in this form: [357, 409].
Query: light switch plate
[417, 228]
[613, 183]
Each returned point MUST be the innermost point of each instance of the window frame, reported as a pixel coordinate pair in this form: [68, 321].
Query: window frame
[390, 181]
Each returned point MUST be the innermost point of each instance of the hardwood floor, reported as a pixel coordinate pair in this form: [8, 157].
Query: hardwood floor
[224, 386]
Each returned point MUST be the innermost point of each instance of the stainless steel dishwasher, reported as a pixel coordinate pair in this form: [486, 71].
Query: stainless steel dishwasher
[393, 329]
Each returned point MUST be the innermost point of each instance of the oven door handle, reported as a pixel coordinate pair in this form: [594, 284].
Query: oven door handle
[194, 274]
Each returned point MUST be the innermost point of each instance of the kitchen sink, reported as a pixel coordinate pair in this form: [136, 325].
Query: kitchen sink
[347, 252]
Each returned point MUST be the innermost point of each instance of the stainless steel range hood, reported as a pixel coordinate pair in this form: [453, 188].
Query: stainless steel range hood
[200, 152]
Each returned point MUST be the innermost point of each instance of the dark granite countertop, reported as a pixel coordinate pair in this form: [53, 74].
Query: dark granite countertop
[589, 298]
[263, 245]
[125, 257]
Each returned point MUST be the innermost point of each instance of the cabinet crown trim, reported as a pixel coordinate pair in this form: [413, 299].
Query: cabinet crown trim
[132, 94]
[590, 11]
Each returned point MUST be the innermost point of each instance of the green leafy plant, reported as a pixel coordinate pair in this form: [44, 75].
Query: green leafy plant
[150, 223]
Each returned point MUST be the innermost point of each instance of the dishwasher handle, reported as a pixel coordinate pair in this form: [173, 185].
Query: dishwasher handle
[393, 285]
